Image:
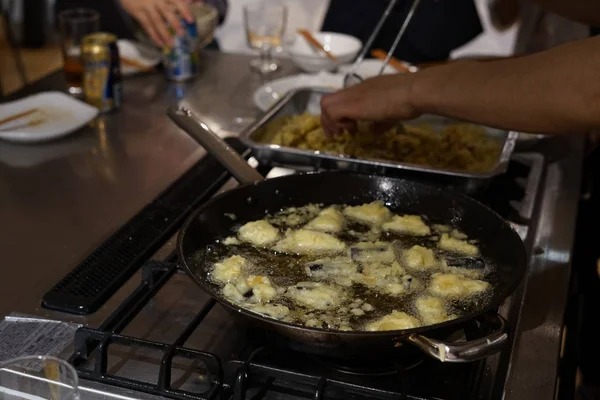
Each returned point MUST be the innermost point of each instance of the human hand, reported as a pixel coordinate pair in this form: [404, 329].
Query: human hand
[383, 100]
[156, 16]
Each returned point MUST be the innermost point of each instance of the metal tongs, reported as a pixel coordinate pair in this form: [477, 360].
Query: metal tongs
[352, 77]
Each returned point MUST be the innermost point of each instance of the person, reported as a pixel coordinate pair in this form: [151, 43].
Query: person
[155, 16]
[437, 27]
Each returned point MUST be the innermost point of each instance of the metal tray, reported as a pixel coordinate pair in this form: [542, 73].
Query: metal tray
[308, 100]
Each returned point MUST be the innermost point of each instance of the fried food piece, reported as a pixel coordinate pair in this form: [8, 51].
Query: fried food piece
[420, 258]
[330, 220]
[375, 213]
[432, 310]
[258, 233]
[229, 269]
[408, 224]
[304, 241]
[449, 243]
[316, 295]
[397, 320]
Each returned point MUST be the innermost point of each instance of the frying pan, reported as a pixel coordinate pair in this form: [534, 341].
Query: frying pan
[256, 197]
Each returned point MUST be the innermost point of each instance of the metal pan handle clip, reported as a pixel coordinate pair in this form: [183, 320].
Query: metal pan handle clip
[462, 351]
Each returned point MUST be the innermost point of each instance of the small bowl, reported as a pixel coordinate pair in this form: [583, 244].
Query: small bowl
[309, 59]
[206, 18]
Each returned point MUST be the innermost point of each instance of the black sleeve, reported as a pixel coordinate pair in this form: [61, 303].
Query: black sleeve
[437, 28]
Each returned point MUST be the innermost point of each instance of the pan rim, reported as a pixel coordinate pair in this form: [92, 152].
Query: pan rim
[502, 295]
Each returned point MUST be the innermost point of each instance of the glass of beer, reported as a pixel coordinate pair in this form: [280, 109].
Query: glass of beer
[74, 24]
[265, 24]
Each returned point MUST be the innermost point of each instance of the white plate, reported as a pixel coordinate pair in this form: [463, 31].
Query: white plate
[58, 115]
[144, 55]
[268, 94]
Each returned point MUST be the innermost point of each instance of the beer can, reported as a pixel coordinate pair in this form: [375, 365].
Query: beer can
[102, 81]
[181, 59]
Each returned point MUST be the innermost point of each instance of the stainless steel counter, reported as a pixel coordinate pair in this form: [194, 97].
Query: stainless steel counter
[60, 200]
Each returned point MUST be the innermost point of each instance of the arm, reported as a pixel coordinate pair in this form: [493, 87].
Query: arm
[555, 91]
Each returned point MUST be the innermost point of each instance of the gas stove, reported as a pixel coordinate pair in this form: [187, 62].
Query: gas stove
[167, 339]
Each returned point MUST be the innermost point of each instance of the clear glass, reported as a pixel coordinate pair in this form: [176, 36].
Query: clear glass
[207, 18]
[38, 377]
[74, 24]
[265, 25]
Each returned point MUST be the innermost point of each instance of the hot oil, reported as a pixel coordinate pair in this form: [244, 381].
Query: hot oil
[286, 270]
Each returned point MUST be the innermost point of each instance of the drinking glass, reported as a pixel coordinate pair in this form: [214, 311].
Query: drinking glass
[265, 24]
[38, 377]
[74, 24]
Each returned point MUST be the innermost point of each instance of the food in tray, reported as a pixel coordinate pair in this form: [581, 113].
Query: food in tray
[312, 266]
[459, 146]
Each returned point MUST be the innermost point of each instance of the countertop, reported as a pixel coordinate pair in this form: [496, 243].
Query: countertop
[60, 200]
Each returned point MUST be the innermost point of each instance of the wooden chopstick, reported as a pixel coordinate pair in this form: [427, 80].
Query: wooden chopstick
[315, 43]
[136, 64]
[18, 116]
[394, 62]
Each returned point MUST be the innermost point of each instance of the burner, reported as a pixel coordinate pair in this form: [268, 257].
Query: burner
[370, 368]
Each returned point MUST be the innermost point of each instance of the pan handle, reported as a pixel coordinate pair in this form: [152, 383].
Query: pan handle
[214, 145]
[463, 351]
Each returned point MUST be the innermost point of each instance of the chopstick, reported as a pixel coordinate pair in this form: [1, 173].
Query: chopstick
[136, 64]
[18, 116]
[394, 62]
[315, 43]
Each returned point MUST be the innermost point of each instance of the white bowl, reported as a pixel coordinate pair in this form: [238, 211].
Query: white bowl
[307, 58]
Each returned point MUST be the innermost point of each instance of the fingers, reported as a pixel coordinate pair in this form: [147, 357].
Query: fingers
[148, 26]
[334, 115]
[169, 13]
[182, 6]
[159, 25]
[327, 121]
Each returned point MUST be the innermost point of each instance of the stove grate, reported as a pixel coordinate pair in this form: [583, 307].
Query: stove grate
[91, 345]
